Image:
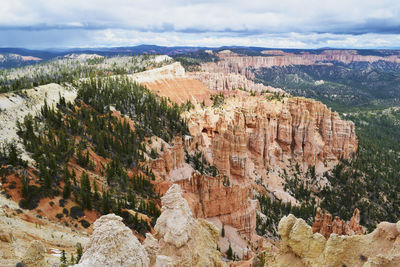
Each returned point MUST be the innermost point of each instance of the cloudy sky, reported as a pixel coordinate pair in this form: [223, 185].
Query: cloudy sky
[267, 23]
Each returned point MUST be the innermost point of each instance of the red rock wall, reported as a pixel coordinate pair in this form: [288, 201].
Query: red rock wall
[233, 63]
[270, 133]
[208, 197]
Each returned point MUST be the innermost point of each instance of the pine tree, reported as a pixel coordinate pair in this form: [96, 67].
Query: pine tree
[86, 191]
[67, 190]
[96, 194]
[72, 259]
[229, 252]
[78, 252]
[223, 230]
[63, 258]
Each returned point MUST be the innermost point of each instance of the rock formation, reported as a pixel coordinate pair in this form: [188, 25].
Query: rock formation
[34, 256]
[151, 246]
[252, 134]
[233, 63]
[170, 158]
[113, 244]
[379, 248]
[208, 197]
[172, 82]
[230, 81]
[183, 240]
[324, 225]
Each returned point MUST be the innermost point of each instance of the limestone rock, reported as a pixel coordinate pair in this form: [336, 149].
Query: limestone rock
[324, 225]
[151, 246]
[355, 223]
[253, 134]
[237, 64]
[171, 158]
[172, 82]
[230, 81]
[184, 240]
[164, 261]
[113, 244]
[6, 236]
[230, 204]
[34, 256]
[379, 248]
[174, 223]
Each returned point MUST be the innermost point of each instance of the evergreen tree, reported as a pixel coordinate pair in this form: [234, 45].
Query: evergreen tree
[67, 190]
[229, 252]
[72, 259]
[86, 191]
[63, 258]
[78, 252]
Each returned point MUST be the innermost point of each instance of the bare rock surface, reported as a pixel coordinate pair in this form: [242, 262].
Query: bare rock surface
[183, 240]
[231, 81]
[113, 244]
[324, 225]
[35, 255]
[379, 248]
[248, 138]
[233, 63]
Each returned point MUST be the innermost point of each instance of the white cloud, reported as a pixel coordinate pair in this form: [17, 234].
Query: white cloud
[274, 23]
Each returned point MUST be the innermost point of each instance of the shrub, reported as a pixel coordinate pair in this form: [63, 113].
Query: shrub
[76, 212]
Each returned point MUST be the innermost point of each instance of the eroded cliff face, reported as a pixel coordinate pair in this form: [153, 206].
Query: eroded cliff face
[183, 240]
[379, 248]
[233, 63]
[209, 197]
[249, 135]
[172, 82]
[220, 81]
[324, 225]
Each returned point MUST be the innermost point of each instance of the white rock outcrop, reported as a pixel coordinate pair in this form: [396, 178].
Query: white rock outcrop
[379, 248]
[113, 244]
[183, 240]
[151, 246]
[176, 219]
[35, 255]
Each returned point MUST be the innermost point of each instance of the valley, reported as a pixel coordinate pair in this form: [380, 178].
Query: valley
[216, 157]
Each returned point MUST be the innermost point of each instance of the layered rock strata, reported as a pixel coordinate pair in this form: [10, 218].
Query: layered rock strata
[208, 197]
[172, 82]
[231, 81]
[170, 158]
[252, 134]
[233, 63]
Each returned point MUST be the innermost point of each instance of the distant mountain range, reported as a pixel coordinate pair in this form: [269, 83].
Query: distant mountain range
[16, 57]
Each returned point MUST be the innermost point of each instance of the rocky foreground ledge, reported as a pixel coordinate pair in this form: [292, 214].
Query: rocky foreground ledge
[379, 248]
[180, 240]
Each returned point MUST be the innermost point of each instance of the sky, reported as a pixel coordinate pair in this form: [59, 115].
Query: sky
[40, 24]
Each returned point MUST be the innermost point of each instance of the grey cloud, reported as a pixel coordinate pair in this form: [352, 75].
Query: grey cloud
[101, 22]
